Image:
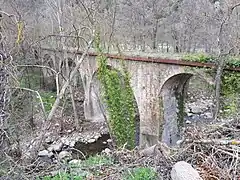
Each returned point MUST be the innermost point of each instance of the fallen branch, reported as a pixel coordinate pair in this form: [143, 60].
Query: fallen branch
[213, 141]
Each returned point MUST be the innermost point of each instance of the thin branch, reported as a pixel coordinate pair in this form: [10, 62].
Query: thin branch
[38, 96]
[66, 84]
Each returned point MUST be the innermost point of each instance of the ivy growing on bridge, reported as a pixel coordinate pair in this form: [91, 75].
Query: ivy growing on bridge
[231, 61]
[230, 92]
[119, 99]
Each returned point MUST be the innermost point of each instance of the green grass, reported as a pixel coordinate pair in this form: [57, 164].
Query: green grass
[82, 170]
[141, 173]
[64, 176]
[48, 99]
[97, 160]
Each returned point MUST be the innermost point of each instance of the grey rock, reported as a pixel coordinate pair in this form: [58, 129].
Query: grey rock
[109, 140]
[91, 141]
[49, 140]
[189, 114]
[208, 115]
[97, 136]
[43, 153]
[107, 151]
[50, 148]
[50, 154]
[196, 109]
[65, 141]
[188, 122]
[72, 143]
[57, 147]
[64, 155]
[184, 171]
[75, 161]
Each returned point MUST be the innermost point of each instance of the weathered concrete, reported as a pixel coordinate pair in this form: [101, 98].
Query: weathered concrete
[159, 90]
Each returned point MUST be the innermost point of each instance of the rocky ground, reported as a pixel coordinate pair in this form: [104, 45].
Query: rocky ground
[207, 149]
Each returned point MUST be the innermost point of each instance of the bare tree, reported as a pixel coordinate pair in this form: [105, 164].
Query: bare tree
[225, 48]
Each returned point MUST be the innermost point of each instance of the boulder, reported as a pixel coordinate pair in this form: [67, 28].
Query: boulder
[72, 143]
[75, 162]
[57, 147]
[91, 141]
[184, 171]
[50, 148]
[45, 153]
[65, 141]
[196, 109]
[208, 115]
[64, 155]
[107, 151]
[109, 141]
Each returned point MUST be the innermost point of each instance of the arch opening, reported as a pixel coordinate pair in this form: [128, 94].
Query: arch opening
[48, 77]
[172, 97]
[180, 96]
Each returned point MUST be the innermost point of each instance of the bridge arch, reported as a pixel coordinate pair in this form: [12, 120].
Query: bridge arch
[172, 95]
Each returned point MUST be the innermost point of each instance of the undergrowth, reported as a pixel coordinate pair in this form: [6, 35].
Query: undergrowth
[96, 166]
[141, 173]
[48, 99]
[230, 92]
[199, 57]
[230, 61]
[81, 169]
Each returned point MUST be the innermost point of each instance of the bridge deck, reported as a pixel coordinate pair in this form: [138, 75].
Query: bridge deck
[164, 59]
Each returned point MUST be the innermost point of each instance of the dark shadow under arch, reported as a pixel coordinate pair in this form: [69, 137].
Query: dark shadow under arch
[48, 77]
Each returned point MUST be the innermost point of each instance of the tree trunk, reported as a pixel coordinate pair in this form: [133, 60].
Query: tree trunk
[218, 81]
[154, 36]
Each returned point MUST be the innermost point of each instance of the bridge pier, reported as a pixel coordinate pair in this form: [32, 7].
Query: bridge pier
[149, 111]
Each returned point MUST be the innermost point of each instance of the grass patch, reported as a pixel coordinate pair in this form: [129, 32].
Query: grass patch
[141, 173]
[82, 169]
[64, 176]
[93, 161]
[97, 160]
[48, 99]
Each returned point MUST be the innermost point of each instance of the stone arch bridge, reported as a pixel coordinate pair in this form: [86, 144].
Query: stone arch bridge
[159, 87]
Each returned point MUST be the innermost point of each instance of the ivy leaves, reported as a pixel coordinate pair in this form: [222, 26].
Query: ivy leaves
[118, 96]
